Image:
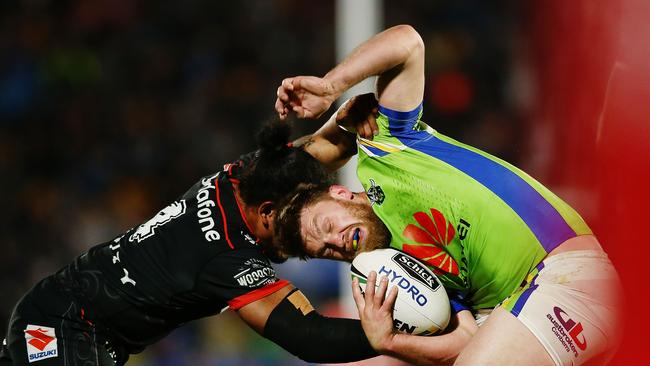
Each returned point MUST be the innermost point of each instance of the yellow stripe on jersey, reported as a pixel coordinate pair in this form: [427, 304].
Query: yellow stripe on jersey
[383, 146]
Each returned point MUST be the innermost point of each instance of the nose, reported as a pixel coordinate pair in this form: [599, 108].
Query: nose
[336, 240]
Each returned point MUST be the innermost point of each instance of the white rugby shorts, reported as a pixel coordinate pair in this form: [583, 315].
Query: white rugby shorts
[570, 302]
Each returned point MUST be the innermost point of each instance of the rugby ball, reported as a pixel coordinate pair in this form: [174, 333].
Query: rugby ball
[422, 305]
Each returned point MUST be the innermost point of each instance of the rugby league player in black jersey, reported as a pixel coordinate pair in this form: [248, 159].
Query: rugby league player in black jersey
[206, 252]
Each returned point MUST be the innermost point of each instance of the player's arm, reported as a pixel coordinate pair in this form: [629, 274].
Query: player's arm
[332, 145]
[287, 318]
[396, 55]
[433, 350]
[377, 321]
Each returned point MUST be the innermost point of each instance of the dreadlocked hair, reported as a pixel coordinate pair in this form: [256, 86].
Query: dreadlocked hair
[287, 219]
[278, 168]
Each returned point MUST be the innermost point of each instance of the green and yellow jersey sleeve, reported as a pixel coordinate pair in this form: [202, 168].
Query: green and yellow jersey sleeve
[479, 222]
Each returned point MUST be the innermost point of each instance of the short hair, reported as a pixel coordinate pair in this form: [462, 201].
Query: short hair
[288, 241]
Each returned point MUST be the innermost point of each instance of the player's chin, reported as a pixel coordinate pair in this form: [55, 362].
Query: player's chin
[347, 256]
[341, 255]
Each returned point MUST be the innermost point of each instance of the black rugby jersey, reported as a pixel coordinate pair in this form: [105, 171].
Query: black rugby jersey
[194, 258]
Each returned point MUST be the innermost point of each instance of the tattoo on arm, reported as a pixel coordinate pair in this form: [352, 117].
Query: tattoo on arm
[304, 142]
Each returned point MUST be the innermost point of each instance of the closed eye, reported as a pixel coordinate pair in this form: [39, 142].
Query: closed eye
[328, 226]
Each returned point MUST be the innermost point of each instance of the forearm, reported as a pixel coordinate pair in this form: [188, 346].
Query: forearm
[330, 145]
[420, 350]
[315, 338]
[396, 55]
[433, 350]
[384, 51]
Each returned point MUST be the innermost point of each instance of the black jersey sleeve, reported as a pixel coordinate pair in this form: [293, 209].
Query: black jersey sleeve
[313, 337]
[240, 277]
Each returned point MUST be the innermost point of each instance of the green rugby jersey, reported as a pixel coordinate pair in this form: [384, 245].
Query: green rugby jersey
[479, 222]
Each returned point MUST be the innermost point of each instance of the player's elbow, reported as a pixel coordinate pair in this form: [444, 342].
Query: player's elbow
[455, 348]
[464, 328]
[448, 355]
[410, 38]
[461, 336]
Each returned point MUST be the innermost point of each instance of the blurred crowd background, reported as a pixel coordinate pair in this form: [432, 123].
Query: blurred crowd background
[109, 109]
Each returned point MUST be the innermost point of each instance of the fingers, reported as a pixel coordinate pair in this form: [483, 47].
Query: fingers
[288, 83]
[374, 295]
[370, 286]
[356, 294]
[308, 96]
[390, 300]
[372, 121]
[376, 322]
[360, 113]
[282, 94]
[284, 90]
[365, 131]
[369, 128]
[283, 100]
[374, 299]
[381, 292]
[301, 112]
[282, 110]
[309, 83]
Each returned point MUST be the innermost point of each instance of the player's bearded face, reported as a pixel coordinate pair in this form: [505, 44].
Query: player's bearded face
[340, 229]
[377, 235]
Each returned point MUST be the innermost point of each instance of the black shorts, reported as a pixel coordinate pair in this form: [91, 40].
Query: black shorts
[48, 326]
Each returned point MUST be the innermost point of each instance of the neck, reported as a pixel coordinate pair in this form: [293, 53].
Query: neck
[252, 217]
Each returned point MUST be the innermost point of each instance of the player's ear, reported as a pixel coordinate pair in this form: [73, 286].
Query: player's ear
[266, 211]
[340, 192]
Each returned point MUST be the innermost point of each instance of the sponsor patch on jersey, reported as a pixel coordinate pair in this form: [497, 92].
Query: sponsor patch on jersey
[432, 232]
[41, 342]
[255, 273]
[204, 206]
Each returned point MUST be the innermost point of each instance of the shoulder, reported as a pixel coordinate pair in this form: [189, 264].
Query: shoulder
[244, 268]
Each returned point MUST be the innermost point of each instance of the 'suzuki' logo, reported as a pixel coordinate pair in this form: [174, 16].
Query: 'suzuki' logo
[574, 329]
[39, 338]
[41, 342]
[432, 235]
